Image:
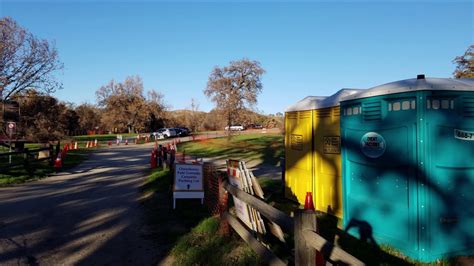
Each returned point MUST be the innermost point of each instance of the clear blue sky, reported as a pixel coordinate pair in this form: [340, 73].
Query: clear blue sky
[307, 48]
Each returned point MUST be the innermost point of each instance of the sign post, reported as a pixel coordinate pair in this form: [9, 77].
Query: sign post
[11, 130]
[188, 182]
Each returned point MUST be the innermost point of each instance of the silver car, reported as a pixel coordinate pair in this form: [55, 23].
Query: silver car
[167, 132]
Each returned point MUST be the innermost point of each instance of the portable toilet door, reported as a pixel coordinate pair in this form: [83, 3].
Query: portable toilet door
[449, 165]
[327, 183]
[298, 148]
[406, 175]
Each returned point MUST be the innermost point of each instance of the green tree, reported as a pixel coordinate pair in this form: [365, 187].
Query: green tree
[465, 64]
[235, 87]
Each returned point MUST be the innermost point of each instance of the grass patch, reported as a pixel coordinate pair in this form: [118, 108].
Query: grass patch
[103, 137]
[268, 148]
[158, 181]
[205, 246]
[38, 169]
[191, 235]
[168, 224]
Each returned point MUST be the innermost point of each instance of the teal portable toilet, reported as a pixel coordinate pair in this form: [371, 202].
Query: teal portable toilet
[408, 166]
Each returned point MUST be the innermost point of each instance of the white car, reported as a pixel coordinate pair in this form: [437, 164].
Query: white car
[167, 132]
[235, 128]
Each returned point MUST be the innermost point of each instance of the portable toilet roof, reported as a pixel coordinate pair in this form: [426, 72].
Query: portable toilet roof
[416, 84]
[308, 103]
[337, 97]
[318, 102]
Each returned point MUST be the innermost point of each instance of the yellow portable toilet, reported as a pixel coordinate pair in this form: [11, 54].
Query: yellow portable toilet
[299, 149]
[313, 151]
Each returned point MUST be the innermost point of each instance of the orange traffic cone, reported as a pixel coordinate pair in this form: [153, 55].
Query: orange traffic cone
[153, 159]
[58, 163]
[308, 203]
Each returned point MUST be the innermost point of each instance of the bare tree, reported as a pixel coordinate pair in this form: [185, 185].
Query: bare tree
[124, 104]
[465, 64]
[25, 61]
[156, 109]
[125, 107]
[235, 87]
[194, 119]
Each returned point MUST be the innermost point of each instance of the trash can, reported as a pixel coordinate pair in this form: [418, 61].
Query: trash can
[408, 165]
[315, 165]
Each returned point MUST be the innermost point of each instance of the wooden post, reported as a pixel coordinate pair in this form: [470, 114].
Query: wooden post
[304, 254]
[51, 154]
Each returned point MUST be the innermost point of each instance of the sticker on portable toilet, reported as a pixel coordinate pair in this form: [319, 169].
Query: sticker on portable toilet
[464, 135]
[296, 142]
[372, 145]
[332, 145]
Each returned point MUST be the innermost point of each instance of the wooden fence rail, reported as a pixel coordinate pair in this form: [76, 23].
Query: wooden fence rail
[303, 226]
[28, 156]
[272, 213]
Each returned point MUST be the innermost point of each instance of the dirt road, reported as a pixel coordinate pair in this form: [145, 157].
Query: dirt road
[90, 216]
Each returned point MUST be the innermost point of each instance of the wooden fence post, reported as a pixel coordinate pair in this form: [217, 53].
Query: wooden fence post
[51, 154]
[304, 254]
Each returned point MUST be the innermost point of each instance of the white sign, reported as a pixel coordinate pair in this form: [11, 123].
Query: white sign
[188, 182]
[11, 128]
[464, 135]
[188, 177]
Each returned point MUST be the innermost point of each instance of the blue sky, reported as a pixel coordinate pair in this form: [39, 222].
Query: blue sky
[307, 48]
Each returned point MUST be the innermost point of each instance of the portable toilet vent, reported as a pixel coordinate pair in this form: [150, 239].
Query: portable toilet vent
[313, 151]
[408, 165]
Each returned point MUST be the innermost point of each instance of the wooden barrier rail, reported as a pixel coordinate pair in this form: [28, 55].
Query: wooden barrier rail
[268, 211]
[303, 226]
[27, 155]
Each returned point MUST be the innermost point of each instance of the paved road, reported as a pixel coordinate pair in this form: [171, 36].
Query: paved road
[91, 216]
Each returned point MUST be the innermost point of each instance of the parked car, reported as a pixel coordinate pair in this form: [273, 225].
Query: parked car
[157, 135]
[182, 131]
[235, 128]
[255, 126]
[167, 132]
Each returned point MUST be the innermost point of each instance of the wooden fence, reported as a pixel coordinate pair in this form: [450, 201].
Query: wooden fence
[26, 157]
[302, 226]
